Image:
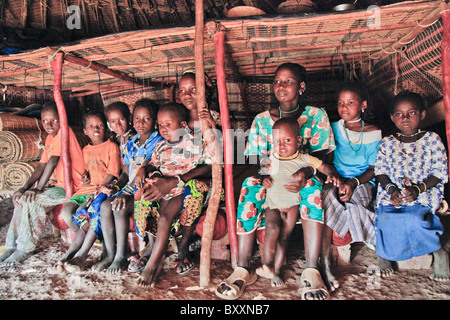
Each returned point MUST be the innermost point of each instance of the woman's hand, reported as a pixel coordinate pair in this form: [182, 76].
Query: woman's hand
[267, 182]
[301, 176]
[204, 114]
[345, 192]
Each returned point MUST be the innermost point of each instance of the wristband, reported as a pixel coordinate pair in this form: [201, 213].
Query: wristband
[180, 182]
[388, 186]
[357, 181]
[424, 186]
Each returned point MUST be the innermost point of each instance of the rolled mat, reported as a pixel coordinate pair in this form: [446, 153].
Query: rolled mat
[21, 145]
[16, 174]
[11, 122]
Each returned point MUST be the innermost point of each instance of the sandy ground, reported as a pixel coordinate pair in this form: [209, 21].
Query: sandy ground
[31, 280]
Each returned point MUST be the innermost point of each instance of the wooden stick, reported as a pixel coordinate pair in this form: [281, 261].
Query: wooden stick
[216, 188]
[219, 42]
[445, 51]
[56, 64]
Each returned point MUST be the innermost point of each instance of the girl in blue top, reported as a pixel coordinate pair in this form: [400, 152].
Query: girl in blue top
[348, 208]
[115, 211]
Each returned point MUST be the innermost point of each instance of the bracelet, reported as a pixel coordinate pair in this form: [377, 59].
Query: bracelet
[357, 181]
[314, 170]
[418, 189]
[128, 190]
[115, 186]
[151, 175]
[424, 186]
[388, 186]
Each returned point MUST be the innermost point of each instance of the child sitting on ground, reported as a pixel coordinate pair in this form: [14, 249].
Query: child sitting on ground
[286, 164]
[176, 161]
[411, 169]
[103, 165]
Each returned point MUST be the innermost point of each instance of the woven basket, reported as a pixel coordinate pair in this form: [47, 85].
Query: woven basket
[21, 145]
[16, 174]
[11, 122]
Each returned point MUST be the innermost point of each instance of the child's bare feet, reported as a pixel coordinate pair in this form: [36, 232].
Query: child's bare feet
[265, 271]
[119, 264]
[276, 281]
[440, 266]
[75, 265]
[150, 274]
[15, 257]
[103, 264]
[386, 267]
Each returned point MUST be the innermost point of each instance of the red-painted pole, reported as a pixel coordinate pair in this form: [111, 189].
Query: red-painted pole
[219, 43]
[445, 55]
[56, 63]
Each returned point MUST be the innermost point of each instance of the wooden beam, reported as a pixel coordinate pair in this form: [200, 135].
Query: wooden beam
[418, 28]
[56, 64]
[212, 144]
[95, 66]
[219, 42]
[445, 51]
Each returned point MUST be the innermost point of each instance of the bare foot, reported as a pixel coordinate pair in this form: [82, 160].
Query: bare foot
[150, 274]
[103, 264]
[75, 265]
[276, 281]
[16, 257]
[440, 266]
[57, 268]
[265, 272]
[386, 268]
[7, 254]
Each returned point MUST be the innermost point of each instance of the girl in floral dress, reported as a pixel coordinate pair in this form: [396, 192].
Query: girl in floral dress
[411, 168]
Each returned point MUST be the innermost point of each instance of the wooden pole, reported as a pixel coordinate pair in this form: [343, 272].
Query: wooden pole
[445, 52]
[216, 188]
[56, 63]
[219, 43]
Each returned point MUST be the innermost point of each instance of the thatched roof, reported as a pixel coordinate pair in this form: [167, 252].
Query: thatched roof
[256, 45]
[393, 47]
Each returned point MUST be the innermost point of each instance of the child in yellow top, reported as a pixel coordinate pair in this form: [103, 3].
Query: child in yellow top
[286, 164]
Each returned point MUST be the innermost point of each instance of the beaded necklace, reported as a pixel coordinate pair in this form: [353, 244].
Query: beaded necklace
[292, 111]
[359, 141]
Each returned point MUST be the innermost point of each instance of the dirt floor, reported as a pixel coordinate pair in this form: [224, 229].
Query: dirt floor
[32, 281]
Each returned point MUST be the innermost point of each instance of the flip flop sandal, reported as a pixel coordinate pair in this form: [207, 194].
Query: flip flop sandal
[239, 274]
[183, 263]
[312, 282]
[136, 264]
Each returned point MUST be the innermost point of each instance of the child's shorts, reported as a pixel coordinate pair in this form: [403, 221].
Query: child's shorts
[79, 199]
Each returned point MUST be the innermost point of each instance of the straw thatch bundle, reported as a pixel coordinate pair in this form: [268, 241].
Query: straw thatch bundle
[16, 174]
[21, 145]
[11, 122]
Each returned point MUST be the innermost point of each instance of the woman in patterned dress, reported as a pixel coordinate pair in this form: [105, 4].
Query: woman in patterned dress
[317, 139]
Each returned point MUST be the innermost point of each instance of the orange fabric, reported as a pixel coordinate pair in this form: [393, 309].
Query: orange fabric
[100, 161]
[53, 148]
